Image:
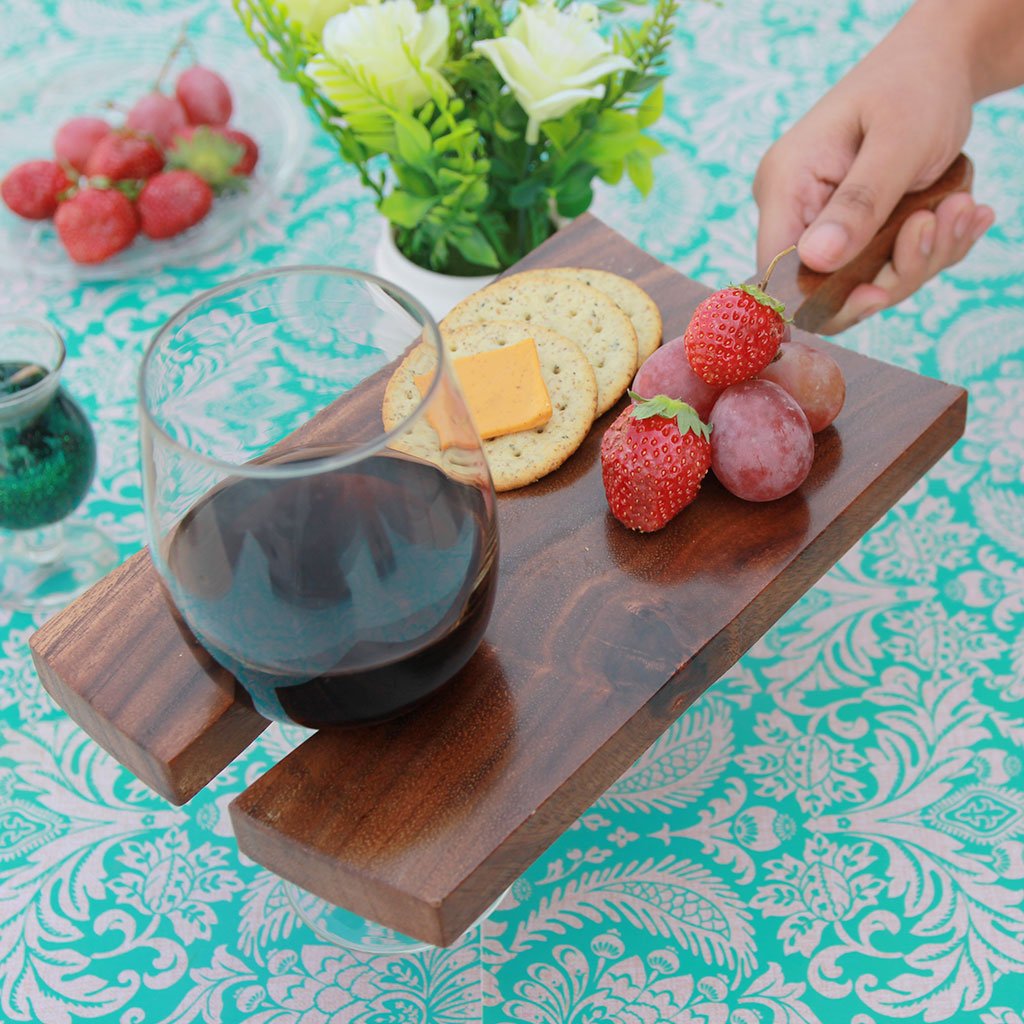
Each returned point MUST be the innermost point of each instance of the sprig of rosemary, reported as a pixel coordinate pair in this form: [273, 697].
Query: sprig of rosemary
[646, 48]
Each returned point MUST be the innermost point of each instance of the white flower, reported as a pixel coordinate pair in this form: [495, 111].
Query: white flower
[312, 15]
[390, 44]
[552, 61]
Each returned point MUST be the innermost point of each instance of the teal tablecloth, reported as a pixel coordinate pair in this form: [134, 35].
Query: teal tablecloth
[834, 833]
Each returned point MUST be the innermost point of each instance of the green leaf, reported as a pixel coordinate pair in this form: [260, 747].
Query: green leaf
[474, 247]
[646, 82]
[357, 95]
[562, 131]
[540, 225]
[415, 181]
[649, 147]
[652, 107]
[404, 209]
[611, 173]
[638, 167]
[505, 133]
[575, 195]
[526, 194]
[413, 141]
[449, 179]
[616, 135]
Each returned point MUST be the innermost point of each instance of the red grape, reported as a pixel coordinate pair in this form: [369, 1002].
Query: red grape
[157, 115]
[813, 378]
[204, 95]
[667, 372]
[76, 138]
[761, 443]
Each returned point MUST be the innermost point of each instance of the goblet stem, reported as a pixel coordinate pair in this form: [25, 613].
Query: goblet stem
[45, 545]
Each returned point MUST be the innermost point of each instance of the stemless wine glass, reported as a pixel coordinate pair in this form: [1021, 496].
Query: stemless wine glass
[342, 570]
[47, 462]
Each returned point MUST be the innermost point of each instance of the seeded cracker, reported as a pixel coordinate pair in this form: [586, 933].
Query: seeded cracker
[576, 311]
[514, 459]
[641, 309]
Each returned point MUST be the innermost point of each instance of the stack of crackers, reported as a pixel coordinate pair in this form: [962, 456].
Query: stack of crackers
[592, 330]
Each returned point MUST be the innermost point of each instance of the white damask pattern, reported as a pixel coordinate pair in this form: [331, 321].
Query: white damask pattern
[834, 833]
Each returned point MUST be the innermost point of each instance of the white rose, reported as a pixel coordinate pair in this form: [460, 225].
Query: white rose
[390, 43]
[552, 60]
[312, 15]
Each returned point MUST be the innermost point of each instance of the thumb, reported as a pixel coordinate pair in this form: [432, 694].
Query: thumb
[878, 177]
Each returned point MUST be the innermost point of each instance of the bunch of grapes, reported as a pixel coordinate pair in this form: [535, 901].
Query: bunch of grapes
[763, 394]
[156, 174]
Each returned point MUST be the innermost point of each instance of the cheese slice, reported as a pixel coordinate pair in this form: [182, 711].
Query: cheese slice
[503, 388]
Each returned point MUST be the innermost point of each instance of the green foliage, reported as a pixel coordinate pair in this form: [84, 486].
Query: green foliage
[463, 189]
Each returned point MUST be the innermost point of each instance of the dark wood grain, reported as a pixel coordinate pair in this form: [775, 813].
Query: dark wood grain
[599, 640]
[128, 672]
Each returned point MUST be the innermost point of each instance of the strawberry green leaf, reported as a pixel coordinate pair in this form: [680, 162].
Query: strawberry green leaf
[129, 187]
[210, 155]
[670, 408]
[764, 298]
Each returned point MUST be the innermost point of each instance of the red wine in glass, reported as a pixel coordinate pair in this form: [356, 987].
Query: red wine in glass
[339, 597]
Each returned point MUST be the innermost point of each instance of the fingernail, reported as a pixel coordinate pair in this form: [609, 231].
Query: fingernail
[871, 311]
[928, 238]
[960, 224]
[980, 226]
[825, 243]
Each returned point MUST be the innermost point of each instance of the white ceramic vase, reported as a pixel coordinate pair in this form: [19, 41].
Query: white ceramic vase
[438, 292]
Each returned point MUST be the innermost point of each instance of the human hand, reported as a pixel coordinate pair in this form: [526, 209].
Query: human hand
[891, 126]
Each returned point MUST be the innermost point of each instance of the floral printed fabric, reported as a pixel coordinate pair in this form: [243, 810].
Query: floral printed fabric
[835, 833]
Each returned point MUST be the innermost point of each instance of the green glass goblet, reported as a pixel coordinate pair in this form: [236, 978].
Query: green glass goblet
[47, 462]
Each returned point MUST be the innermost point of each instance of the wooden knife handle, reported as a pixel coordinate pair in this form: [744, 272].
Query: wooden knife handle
[812, 299]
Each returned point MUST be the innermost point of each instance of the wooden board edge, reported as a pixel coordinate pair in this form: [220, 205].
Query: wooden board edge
[534, 836]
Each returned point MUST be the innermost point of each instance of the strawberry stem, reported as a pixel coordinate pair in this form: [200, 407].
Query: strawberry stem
[181, 41]
[771, 266]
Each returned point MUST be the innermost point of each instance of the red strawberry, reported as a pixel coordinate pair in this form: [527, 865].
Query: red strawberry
[251, 155]
[171, 202]
[96, 223]
[653, 459]
[75, 140]
[157, 115]
[210, 153]
[204, 95]
[122, 156]
[734, 334]
[31, 188]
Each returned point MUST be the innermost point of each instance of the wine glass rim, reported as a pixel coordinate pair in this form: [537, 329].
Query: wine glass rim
[312, 466]
[26, 395]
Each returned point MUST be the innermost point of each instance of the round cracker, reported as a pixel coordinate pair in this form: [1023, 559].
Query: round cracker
[514, 459]
[641, 309]
[575, 310]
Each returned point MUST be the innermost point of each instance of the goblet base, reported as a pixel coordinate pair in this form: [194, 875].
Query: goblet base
[350, 931]
[48, 568]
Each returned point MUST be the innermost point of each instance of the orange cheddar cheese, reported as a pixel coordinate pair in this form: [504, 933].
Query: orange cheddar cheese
[503, 388]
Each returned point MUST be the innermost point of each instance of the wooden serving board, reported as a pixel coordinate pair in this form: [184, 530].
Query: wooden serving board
[599, 640]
